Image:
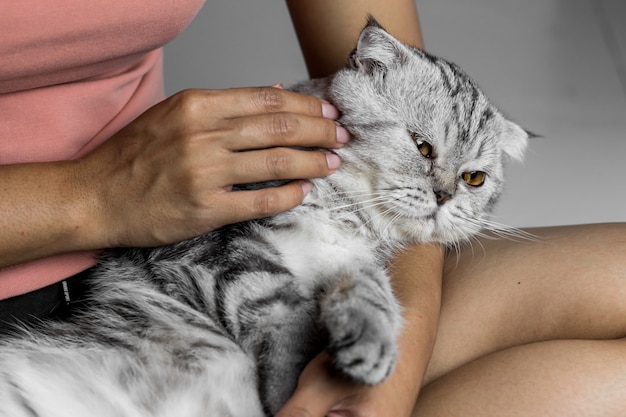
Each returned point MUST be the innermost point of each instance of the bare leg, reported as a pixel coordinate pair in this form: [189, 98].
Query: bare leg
[570, 285]
[557, 378]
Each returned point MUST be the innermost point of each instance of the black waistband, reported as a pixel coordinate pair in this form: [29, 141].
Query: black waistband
[50, 301]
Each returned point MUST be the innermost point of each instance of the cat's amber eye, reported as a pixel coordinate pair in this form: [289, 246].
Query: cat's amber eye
[425, 148]
[474, 178]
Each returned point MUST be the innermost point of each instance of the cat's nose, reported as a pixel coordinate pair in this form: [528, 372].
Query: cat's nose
[442, 196]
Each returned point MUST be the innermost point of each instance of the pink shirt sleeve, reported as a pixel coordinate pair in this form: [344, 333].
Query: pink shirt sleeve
[73, 74]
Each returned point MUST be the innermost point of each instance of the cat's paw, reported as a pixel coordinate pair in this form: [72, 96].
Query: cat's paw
[362, 349]
[362, 335]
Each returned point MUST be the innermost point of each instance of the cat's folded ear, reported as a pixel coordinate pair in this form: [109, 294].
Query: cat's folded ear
[514, 141]
[376, 50]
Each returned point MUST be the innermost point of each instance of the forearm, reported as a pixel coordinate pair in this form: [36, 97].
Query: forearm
[328, 29]
[416, 278]
[42, 212]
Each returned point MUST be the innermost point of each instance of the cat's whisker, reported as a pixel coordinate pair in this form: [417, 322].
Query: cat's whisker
[360, 209]
[391, 222]
[359, 192]
[373, 204]
[359, 203]
[509, 232]
[352, 194]
[477, 241]
[381, 214]
[491, 230]
[373, 218]
[454, 247]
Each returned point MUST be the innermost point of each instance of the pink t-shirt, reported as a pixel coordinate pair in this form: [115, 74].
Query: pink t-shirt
[72, 73]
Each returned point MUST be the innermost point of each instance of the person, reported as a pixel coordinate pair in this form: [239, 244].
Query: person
[93, 156]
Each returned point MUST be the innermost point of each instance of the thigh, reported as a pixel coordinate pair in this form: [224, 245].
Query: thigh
[569, 283]
[556, 378]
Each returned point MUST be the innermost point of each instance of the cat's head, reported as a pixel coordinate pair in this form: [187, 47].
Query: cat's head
[428, 147]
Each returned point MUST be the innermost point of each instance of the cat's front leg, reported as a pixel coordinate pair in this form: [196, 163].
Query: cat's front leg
[363, 320]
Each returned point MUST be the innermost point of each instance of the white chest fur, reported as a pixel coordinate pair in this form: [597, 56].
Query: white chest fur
[318, 246]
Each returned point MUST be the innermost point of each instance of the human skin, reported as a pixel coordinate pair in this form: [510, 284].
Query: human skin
[532, 328]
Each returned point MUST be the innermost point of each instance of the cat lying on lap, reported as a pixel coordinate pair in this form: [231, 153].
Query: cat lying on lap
[224, 323]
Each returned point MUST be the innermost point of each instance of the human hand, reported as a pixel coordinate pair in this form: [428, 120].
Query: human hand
[168, 175]
[322, 392]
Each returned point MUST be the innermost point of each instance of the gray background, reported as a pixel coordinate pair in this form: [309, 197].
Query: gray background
[557, 67]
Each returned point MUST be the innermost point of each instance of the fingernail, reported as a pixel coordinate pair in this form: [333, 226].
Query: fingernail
[279, 85]
[333, 161]
[329, 111]
[342, 134]
[306, 187]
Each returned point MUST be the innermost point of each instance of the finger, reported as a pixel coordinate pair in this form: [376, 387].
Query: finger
[313, 401]
[238, 102]
[319, 391]
[248, 205]
[307, 404]
[280, 164]
[284, 129]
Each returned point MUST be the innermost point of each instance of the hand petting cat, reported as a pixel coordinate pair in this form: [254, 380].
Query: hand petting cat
[168, 175]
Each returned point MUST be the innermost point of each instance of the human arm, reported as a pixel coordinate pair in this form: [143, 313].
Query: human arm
[328, 29]
[167, 175]
[416, 278]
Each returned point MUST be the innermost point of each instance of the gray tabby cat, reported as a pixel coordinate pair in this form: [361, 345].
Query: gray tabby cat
[222, 325]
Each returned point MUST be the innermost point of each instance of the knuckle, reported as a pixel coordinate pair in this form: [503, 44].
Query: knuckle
[279, 162]
[269, 99]
[313, 105]
[283, 125]
[268, 203]
[188, 101]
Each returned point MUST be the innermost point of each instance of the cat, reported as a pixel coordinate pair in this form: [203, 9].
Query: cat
[224, 323]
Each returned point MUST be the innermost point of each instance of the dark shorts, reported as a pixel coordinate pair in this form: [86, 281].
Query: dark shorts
[53, 301]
